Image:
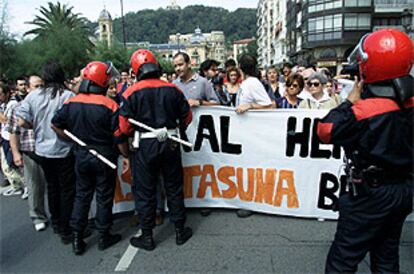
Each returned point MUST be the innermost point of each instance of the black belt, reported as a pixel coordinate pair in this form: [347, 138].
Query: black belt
[361, 182]
[383, 176]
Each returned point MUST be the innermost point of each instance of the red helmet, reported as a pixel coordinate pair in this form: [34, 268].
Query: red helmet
[143, 62]
[383, 55]
[96, 76]
[99, 73]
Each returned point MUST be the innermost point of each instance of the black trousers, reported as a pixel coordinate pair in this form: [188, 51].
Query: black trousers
[151, 158]
[60, 177]
[92, 174]
[371, 223]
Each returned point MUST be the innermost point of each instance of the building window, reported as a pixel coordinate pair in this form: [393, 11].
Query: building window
[325, 28]
[357, 3]
[321, 5]
[387, 21]
[357, 21]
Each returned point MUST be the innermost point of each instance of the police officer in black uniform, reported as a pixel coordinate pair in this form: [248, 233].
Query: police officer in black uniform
[375, 128]
[162, 106]
[93, 118]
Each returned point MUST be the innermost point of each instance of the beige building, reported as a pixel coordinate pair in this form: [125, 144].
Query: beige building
[201, 46]
[198, 45]
[105, 27]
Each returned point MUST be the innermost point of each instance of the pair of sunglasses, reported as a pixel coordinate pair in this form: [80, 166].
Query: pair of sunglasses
[315, 84]
[292, 85]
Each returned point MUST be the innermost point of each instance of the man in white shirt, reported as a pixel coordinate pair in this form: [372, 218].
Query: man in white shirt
[253, 94]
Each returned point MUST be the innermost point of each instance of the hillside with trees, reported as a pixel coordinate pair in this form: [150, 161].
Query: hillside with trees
[156, 25]
[57, 33]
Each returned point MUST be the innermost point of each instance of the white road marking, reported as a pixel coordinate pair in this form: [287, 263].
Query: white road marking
[128, 257]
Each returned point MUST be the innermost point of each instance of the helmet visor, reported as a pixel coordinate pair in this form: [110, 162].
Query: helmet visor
[358, 55]
[112, 72]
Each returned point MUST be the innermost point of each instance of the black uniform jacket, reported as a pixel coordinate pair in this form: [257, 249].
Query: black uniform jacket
[378, 128]
[93, 118]
[155, 103]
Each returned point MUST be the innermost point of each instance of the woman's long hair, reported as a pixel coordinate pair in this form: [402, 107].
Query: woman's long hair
[53, 77]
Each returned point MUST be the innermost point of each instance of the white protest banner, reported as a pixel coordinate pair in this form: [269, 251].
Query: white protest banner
[266, 161]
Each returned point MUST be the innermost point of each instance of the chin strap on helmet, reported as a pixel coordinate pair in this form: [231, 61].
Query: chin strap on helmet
[87, 86]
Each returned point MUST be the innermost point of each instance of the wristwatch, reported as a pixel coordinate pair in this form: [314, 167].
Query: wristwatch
[200, 102]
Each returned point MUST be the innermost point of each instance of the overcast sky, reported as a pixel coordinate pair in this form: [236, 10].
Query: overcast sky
[21, 11]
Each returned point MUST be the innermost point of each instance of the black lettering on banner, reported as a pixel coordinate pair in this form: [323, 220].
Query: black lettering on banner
[316, 152]
[336, 152]
[206, 122]
[293, 137]
[227, 147]
[326, 192]
[302, 138]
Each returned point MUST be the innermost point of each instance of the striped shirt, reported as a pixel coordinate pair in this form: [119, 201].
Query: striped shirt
[284, 103]
[27, 140]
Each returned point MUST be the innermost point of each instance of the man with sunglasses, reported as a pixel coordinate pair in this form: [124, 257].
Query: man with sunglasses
[375, 127]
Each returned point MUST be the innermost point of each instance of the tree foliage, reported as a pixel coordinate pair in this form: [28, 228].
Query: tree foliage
[156, 25]
[252, 48]
[7, 42]
[60, 35]
[116, 54]
[58, 18]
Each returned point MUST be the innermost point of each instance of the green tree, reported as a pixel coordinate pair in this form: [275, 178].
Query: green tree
[116, 54]
[56, 17]
[7, 53]
[7, 42]
[166, 66]
[252, 48]
[63, 36]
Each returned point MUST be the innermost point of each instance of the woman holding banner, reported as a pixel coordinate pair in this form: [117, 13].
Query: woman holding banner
[252, 95]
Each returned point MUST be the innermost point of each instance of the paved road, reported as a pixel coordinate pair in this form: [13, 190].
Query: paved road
[222, 243]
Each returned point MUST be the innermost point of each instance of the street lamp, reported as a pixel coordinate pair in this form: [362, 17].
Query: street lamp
[178, 40]
[407, 19]
[123, 23]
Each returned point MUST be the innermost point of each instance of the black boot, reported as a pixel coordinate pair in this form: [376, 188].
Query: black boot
[107, 239]
[182, 234]
[144, 241]
[66, 235]
[78, 245]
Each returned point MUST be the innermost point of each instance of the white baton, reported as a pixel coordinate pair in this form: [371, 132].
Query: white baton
[144, 126]
[91, 151]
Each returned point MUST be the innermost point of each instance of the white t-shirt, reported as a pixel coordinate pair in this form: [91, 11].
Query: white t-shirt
[253, 91]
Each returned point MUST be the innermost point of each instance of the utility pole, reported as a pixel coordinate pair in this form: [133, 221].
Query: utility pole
[123, 22]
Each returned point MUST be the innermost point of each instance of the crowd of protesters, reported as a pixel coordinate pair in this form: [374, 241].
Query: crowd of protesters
[34, 158]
